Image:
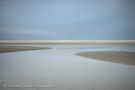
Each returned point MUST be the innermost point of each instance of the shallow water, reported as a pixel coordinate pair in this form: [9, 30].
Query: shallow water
[60, 69]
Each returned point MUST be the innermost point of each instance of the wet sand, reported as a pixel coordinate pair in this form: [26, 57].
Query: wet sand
[111, 56]
[6, 49]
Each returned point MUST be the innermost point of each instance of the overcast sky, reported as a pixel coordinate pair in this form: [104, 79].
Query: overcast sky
[67, 19]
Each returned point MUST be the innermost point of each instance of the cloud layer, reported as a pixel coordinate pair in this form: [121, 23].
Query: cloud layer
[67, 19]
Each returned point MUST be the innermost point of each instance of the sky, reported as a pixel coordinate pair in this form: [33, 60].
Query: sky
[67, 19]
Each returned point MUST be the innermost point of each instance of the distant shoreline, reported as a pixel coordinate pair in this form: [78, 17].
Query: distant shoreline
[67, 41]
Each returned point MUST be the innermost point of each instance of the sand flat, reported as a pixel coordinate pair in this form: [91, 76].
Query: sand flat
[5, 49]
[111, 56]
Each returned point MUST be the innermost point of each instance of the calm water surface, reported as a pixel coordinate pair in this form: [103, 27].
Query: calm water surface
[60, 69]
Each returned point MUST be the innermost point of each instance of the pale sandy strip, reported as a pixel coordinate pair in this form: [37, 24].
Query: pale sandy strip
[70, 41]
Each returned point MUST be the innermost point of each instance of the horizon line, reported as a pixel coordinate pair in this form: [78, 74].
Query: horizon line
[64, 41]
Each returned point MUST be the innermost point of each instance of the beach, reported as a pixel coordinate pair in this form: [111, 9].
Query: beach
[111, 56]
[16, 48]
[61, 68]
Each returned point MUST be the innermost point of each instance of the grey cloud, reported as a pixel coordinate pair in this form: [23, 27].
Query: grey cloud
[67, 19]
